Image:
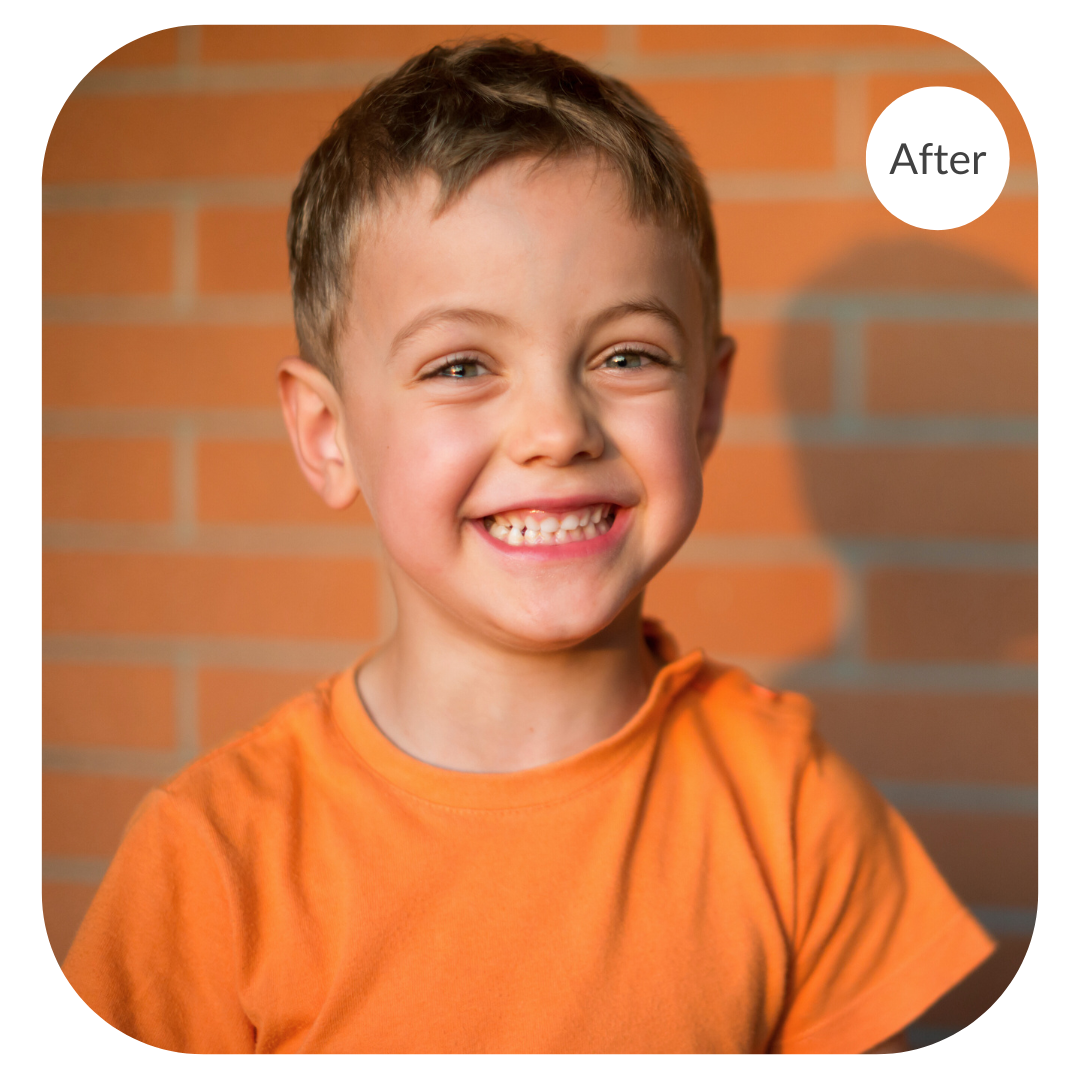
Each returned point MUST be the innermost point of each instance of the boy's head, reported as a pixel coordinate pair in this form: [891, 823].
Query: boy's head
[506, 294]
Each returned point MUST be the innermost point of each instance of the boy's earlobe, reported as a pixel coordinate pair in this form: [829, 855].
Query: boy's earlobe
[313, 416]
[712, 406]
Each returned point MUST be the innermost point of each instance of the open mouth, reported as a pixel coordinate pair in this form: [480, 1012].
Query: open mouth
[534, 527]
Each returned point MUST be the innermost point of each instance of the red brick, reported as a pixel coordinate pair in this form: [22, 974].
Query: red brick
[261, 482]
[886, 88]
[780, 368]
[64, 904]
[231, 701]
[258, 596]
[922, 491]
[987, 859]
[974, 368]
[947, 615]
[163, 366]
[263, 44]
[858, 246]
[185, 136]
[756, 490]
[243, 251]
[778, 123]
[697, 39]
[106, 252]
[971, 998]
[86, 815]
[782, 611]
[949, 737]
[106, 479]
[107, 705]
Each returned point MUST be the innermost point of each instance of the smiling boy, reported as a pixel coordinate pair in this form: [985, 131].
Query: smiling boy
[525, 822]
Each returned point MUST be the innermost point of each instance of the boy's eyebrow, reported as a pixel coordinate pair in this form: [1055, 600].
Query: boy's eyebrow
[431, 318]
[652, 305]
[479, 317]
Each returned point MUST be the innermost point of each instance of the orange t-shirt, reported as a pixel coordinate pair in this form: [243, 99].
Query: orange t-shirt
[711, 878]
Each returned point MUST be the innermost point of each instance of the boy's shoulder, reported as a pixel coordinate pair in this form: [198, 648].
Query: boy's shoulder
[732, 696]
[751, 725]
[256, 769]
[762, 747]
[729, 703]
[728, 692]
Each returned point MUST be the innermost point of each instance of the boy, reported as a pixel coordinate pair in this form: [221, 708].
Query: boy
[524, 823]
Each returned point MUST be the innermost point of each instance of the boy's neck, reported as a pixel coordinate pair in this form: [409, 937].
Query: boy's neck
[460, 701]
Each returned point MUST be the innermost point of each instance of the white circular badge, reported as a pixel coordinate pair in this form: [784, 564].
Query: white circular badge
[937, 158]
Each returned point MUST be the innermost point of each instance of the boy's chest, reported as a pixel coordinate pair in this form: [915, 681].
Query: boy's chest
[560, 932]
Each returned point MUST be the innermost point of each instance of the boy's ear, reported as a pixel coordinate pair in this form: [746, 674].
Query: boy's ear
[716, 384]
[314, 418]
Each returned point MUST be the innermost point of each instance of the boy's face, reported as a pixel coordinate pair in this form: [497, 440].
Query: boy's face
[532, 348]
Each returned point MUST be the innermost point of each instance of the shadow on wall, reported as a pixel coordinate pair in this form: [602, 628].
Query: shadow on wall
[914, 453]
[915, 461]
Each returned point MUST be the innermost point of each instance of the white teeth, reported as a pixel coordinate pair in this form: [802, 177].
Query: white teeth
[534, 527]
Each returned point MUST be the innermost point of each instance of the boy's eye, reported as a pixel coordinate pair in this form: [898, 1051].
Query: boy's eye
[460, 369]
[628, 359]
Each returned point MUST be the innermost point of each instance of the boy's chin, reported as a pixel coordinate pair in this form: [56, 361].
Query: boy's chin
[552, 642]
[538, 616]
[550, 630]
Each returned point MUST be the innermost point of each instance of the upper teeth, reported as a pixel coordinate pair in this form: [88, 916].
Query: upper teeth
[536, 527]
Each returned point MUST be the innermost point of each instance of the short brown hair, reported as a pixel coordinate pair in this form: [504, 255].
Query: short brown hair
[456, 111]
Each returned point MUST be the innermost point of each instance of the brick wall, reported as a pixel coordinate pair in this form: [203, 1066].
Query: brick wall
[869, 528]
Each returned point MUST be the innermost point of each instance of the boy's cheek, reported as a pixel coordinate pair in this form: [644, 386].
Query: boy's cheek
[416, 475]
[663, 452]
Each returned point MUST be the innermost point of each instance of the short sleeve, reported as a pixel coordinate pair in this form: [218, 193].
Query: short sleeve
[156, 955]
[878, 934]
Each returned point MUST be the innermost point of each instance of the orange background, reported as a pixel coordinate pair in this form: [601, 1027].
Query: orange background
[869, 528]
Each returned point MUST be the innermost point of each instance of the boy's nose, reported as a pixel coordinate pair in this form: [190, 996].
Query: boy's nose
[553, 423]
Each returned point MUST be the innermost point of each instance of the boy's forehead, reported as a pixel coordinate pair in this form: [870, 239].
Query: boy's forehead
[522, 232]
[562, 191]
[527, 177]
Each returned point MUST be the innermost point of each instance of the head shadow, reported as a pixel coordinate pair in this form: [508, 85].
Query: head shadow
[903, 386]
[913, 453]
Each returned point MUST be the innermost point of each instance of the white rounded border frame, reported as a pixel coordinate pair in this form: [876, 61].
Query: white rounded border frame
[28, 498]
